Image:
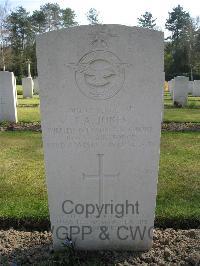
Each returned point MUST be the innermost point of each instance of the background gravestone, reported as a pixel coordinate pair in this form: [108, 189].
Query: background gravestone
[165, 85]
[101, 102]
[180, 90]
[27, 83]
[8, 111]
[190, 86]
[196, 88]
[15, 88]
[36, 85]
[27, 86]
[171, 87]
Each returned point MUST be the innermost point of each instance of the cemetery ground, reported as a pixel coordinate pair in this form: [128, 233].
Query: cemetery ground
[28, 109]
[23, 196]
[23, 192]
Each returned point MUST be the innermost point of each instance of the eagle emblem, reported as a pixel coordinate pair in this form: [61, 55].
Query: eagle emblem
[99, 75]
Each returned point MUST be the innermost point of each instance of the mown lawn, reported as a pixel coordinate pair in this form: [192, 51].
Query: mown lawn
[179, 176]
[32, 114]
[28, 114]
[23, 192]
[22, 185]
[182, 115]
[29, 110]
[190, 113]
[193, 102]
[28, 101]
[19, 90]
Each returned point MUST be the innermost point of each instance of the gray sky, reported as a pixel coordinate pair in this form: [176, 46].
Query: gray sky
[117, 12]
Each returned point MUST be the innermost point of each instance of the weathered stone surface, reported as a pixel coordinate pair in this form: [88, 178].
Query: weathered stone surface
[190, 86]
[101, 102]
[180, 91]
[36, 85]
[8, 111]
[196, 88]
[27, 86]
[171, 87]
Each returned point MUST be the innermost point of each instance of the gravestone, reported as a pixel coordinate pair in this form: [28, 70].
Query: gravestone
[196, 88]
[180, 91]
[171, 87]
[8, 111]
[15, 88]
[163, 96]
[101, 102]
[190, 86]
[36, 85]
[27, 84]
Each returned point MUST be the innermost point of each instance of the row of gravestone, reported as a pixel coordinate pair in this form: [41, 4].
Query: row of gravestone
[8, 94]
[180, 87]
[28, 86]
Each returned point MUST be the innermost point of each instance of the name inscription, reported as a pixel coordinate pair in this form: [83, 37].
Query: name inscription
[91, 128]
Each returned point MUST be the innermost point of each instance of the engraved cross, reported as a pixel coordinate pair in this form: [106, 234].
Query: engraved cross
[100, 177]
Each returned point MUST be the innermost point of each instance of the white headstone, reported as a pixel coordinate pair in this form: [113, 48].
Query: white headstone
[27, 86]
[101, 103]
[196, 88]
[36, 85]
[190, 86]
[163, 96]
[15, 88]
[171, 86]
[180, 90]
[8, 111]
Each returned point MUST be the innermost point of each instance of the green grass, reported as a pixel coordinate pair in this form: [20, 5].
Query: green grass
[182, 115]
[32, 114]
[22, 190]
[28, 101]
[28, 114]
[179, 176]
[193, 102]
[19, 90]
[28, 110]
[191, 113]
[23, 193]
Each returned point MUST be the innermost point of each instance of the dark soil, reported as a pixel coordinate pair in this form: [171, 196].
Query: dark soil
[36, 126]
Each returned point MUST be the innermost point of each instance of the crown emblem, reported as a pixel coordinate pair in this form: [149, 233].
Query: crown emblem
[100, 38]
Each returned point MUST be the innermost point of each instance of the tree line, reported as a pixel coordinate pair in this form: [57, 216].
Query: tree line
[19, 28]
[182, 47]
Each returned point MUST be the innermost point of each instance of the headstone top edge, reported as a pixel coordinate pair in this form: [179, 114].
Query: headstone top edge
[100, 26]
[7, 72]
